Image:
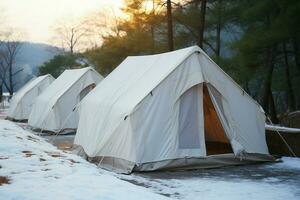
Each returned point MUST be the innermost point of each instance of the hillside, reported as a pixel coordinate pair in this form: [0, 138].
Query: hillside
[30, 57]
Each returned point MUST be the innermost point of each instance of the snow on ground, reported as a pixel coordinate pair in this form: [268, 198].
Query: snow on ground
[4, 104]
[38, 170]
[288, 163]
[42, 171]
[269, 182]
[3, 112]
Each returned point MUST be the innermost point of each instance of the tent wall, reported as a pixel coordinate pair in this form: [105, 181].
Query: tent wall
[118, 95]
[66, 116]
[158, 113]
[55, 109]
[142, 112]
[22, 102]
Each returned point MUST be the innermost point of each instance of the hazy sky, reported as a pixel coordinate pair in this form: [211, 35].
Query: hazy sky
[37, 17]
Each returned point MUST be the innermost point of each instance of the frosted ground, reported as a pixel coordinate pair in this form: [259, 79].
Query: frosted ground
[38, 170]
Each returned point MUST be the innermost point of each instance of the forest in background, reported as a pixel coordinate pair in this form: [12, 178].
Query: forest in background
[256, 42]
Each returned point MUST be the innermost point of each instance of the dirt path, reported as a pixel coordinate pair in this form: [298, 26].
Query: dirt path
[63, 142]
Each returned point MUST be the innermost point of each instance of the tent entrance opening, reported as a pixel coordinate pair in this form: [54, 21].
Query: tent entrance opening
[215, 138]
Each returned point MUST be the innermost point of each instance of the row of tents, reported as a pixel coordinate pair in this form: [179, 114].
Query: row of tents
[170, 110]
[49, 104]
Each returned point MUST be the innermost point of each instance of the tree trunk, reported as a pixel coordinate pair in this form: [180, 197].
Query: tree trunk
[202, 23]
[297, 62]
[10, 77]
[170, 26]
[5, 85]
[72, 41]
[273, 113]
[1, 93]
[296, 51]
[153, 28]
[290, 92]
[246, 86]
[71, 49]
[218, 42]
[218, 34]
[268, 80]
[152, 40]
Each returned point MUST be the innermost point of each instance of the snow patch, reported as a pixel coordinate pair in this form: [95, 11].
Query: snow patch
[38, 170]
[288, 163]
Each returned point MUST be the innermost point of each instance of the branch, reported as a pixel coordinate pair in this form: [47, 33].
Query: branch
[6, 86]
[210, 46]
[186, 26]
[18, 71]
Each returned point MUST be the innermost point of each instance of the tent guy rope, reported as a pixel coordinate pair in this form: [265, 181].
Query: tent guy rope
[282, 138]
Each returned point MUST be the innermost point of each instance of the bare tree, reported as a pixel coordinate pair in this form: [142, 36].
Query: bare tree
[201, 20]
[71, 35]
[1, 43]
[10, 48]
[1, 75]
[102, 24]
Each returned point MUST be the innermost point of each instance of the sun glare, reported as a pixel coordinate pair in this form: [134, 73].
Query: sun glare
[36, 17]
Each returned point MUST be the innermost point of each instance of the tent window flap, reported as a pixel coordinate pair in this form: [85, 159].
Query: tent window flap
[189, 134]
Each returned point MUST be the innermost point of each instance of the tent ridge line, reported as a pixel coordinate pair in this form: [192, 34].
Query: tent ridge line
[159, 82]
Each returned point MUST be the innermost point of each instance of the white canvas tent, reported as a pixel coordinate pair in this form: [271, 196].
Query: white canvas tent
[54, 110]
[171, 110]
[21, 103]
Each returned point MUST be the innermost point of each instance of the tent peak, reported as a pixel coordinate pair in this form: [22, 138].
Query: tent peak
[189, 50]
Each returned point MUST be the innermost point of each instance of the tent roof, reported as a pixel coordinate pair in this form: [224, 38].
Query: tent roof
[63, 83]
[145, 72]
[30, 85]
